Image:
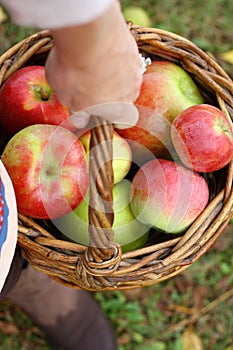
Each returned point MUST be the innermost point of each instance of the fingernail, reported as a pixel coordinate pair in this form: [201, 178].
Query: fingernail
[80, 119]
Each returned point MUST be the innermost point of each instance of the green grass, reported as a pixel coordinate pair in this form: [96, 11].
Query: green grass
[141, 317]
[207, 23]
[10, 34]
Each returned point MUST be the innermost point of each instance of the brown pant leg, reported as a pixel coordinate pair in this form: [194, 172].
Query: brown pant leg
[71, 319]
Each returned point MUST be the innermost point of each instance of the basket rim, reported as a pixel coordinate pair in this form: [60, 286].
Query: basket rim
[74, 265]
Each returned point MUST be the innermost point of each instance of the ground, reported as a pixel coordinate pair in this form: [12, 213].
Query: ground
[194, 309]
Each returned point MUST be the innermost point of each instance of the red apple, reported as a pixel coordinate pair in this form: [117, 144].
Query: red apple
[26, 98]
[167, 195]
[166, 90]
[48, 169]
[121, 154]
[203, 138]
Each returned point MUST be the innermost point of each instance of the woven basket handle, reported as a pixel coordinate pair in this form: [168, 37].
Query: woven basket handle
[102, 256]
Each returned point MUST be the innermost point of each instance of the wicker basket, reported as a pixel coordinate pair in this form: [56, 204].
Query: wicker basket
[107, 268]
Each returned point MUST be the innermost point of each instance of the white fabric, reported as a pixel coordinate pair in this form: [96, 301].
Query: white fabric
[55, 13]
[9, 224]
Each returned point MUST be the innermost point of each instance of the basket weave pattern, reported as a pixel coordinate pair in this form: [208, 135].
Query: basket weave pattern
[104, 268]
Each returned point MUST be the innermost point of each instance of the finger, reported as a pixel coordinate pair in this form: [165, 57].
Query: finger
[80, 119]
[122, 114]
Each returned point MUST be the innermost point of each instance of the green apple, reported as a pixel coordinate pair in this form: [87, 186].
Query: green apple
[122, 154]
[137, 15]
[128, 232]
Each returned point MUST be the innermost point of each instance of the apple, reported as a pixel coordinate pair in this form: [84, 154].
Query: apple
[137, 15]
[150, 137]
[128, 232]
[167, 195]
[166, 90]
[48, 169]
[26, 98]
[203, 138]
[121, 154]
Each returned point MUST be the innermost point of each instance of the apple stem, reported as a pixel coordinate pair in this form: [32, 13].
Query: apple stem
[41, 92]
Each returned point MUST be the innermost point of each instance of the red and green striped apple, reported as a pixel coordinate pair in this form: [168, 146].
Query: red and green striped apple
[167, 195]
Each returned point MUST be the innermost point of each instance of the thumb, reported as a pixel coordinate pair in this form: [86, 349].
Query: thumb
[122, 114]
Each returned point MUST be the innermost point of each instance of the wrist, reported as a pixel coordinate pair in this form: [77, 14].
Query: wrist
[80, 47]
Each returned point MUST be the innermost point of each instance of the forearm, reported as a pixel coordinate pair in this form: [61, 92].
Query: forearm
[80, 46]
[55, 13]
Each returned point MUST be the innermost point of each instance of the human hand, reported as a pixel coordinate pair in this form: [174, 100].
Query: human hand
[96, 67]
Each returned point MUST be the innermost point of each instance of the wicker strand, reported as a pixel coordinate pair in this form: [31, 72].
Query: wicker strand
[103, 255]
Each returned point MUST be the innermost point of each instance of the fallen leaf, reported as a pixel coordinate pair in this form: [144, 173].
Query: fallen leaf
[8, 328]
[3, 15]
[191, 340]
[124, 339]
[154, 346]
[227, 56]
[182, 309]
[199, 295]
[132, 294]
[182, 284]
